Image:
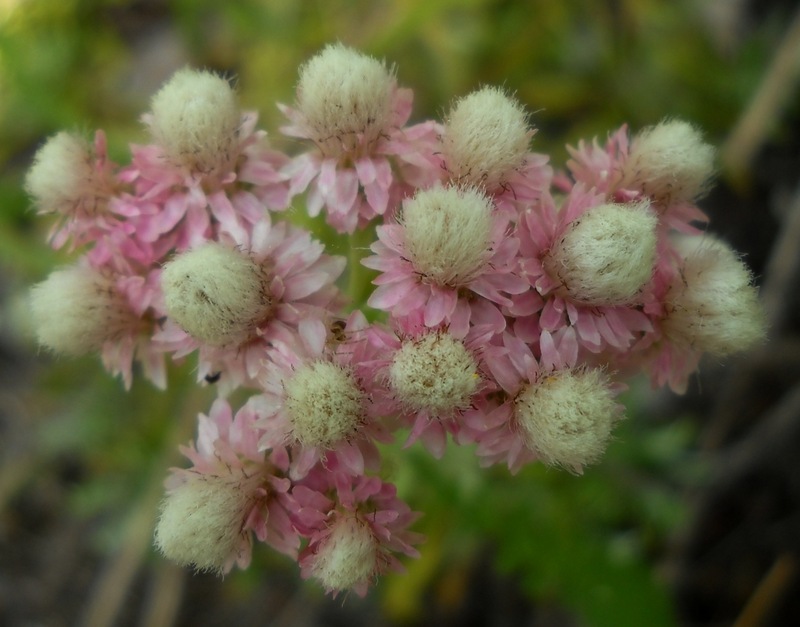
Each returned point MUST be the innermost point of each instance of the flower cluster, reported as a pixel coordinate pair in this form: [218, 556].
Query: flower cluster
[511, 300]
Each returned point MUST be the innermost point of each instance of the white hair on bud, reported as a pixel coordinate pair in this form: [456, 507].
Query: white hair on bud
[218, 295]
[202, 520]
[566, 417]
[76, 310]
[713, 305]
[63, 178]
[195, 119]
[346, 98]
[348, 556]
[323, 403]
[607, 255]
[486, 138]
[669, 162]
[448, 233]
[435, 372]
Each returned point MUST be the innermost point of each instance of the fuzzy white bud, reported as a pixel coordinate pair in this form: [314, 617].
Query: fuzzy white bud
[77, 310]
[607, 255]
[669, 162]
[346, 98]
[486, 138]
[202, 521]
[448, 234]
[567, 417]
[348, 556]
[218, 295]
[435, 373]
[713, 306]
[195, 119]
[324, 404]
[63, 178]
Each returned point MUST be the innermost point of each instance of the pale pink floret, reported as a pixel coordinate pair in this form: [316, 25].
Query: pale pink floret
[143, 295]
[179, 208]
[598, 327]
[227, 446]
[346, 347]
[301, 286]
[90, 207]
[666, 363]
[525, 185]
[513, 364]
[402, 290]
[428, 424]
[601, 167]
[356, 187]
[372, 503]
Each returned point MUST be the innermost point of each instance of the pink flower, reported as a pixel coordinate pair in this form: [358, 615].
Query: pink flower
[178, 208]
[451, 257]
[77, 181]
[354, 536]
[430, 377]
[548, 409]
[598, 327]
[317, 397]
[609, 170]
[299, 281]
[365, 161]
[232, 491]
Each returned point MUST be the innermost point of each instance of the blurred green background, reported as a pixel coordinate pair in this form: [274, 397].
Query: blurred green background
[81, 461]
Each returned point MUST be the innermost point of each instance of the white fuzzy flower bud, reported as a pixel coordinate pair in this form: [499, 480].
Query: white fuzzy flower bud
[348, 556]
[448, 234]
[63, 178]
[323, 403]
[77, 310]
[486, 138]
[435, 373]
[606, 256]
[195, 119]
[218, 295]
[669, 162]
[346, 98]
[566, 417]
[202, 521]
[713, 306]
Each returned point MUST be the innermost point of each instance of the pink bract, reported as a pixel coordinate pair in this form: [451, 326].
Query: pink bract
[598, 328]
[356, 188]
[347, 348]
[402, 290]
[227, 446]
[374, 503]
[301, 284]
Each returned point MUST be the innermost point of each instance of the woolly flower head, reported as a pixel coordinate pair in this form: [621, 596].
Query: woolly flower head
[64, 179]
[434, 373]
[324, 403]
[712, 305]
[195, 119]
[346, 99]
[203, 520]
[77, 310]
[669, 162]
[606, 255]
[566, 416]
[217, 294]
[486, 137]
[448, 233]
[348, 556]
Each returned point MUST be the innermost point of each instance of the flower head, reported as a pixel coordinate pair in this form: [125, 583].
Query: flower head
[195, 120]
[450, 256]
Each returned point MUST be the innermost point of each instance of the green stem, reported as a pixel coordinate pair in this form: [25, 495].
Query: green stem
[359, 277]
